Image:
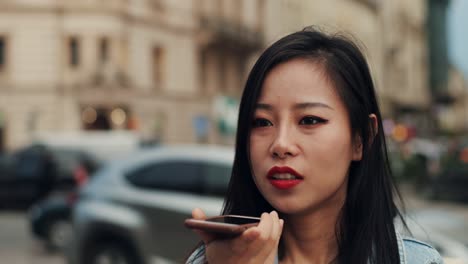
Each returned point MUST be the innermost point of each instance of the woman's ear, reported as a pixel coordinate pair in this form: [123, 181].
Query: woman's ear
[357, 149]
[374, 128]
[374, 122]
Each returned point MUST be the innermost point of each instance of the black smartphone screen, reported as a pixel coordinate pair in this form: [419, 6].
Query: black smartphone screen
[233, 220]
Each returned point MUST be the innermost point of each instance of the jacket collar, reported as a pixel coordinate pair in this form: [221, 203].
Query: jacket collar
[401, 248]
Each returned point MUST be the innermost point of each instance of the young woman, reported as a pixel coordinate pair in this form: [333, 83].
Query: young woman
[311, 160]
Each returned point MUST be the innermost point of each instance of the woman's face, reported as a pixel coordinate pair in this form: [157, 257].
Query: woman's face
[301, 144]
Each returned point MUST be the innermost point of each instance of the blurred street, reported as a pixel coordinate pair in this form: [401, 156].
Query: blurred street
[17, 246]
[157, 85]
[451, 219]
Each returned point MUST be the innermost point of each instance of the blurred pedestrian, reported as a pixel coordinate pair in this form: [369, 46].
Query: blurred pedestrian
[311, 160]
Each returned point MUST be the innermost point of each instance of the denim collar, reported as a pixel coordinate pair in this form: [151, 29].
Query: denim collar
[401, 248]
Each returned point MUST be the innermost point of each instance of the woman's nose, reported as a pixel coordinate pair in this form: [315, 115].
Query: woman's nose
[284, 145]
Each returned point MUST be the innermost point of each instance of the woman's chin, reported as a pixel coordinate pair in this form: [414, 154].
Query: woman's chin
[288, 209]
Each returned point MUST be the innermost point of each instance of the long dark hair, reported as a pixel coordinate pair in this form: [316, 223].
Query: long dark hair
[366, 222]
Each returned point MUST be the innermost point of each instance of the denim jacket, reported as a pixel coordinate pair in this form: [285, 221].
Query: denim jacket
[411, 251]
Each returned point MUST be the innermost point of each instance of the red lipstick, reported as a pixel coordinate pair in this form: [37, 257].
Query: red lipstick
[281, 182]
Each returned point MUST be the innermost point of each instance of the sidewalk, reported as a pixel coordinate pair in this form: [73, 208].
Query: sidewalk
[448, 217]
[414, 201]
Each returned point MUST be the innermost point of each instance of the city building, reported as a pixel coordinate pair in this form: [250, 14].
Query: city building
[453, 117]
[173, 71]
[151, 66]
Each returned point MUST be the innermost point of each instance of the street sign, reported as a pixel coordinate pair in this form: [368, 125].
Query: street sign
[226, 111]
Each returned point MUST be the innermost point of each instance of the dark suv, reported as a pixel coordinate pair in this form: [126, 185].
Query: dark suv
[30, 174]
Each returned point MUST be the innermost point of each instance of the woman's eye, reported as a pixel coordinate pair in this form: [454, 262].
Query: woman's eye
[311, 120]
[261, 122]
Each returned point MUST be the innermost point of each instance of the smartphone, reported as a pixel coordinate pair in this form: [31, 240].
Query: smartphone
[223, 225]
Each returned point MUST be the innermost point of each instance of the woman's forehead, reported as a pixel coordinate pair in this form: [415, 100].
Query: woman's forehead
[298, 81]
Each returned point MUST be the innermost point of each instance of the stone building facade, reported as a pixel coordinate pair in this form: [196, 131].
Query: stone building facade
[158, 67]
[154, 66]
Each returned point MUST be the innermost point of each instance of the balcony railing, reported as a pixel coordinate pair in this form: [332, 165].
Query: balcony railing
[372, 4]
[219, 31]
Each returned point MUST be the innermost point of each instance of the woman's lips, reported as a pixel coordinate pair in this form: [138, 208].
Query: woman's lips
[284, 184]
[284, 178]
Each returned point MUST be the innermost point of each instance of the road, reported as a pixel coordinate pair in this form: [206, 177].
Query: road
[17, 245]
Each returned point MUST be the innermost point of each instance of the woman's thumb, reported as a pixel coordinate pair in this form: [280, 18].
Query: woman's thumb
[197, 213]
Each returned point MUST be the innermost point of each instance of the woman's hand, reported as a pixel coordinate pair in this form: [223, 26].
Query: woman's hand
[256, 245]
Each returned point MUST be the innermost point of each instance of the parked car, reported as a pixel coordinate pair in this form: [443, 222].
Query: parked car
[133, 209]
[73, 168]
[451, 183]
[50, 220]
[25, 175]
[30, 174]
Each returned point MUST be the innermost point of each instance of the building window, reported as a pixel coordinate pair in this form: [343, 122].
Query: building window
[2, 53]
[74, 51]
[203, 70]
[157, 5]
[372, 4]
[158, 64]
[260, 14]
[220, 9]
[222, 73]
[239, 12]
[107, 118]
[104, 49]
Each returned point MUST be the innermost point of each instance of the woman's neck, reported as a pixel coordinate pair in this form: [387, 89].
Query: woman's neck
[311, 238]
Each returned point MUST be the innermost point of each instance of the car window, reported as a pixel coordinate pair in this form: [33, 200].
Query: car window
[6, 166]
[66, 161]
[29, 163]
[181, 176]
[215, 179]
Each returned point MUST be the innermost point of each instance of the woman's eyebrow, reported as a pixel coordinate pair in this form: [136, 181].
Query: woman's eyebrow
[298, 106]
[264, 107]
[311, 105]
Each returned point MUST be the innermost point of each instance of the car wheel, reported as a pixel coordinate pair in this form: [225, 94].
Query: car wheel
[59, 234]
[111, 253]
